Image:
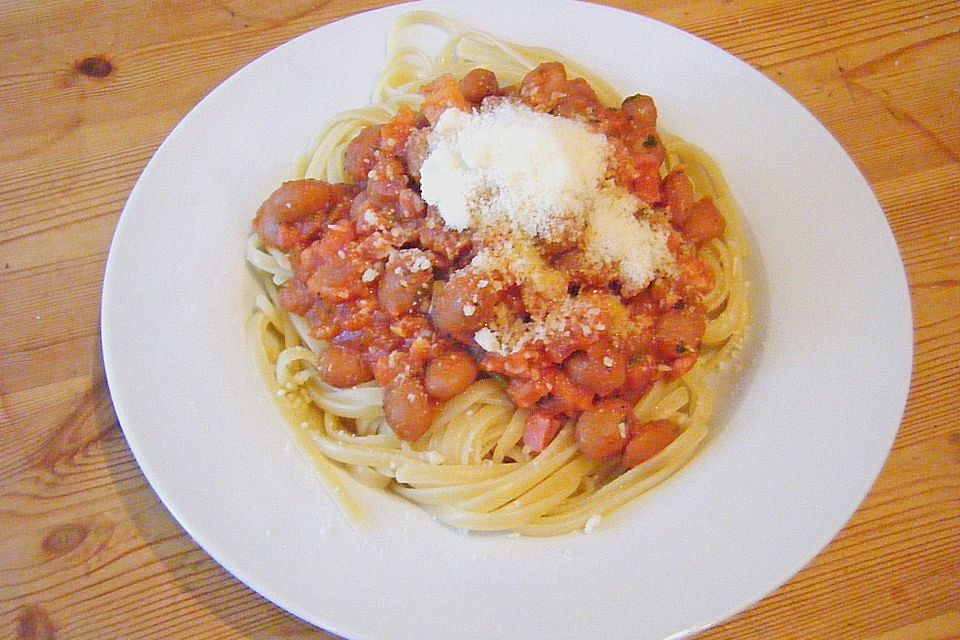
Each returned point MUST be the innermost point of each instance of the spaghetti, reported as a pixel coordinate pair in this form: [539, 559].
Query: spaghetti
[495, 455]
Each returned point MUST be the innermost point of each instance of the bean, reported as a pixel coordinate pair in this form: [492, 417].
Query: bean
[462, 306]
[292, 202]
[400, 287]
[407, 407]
[647, 440]
[600, 371]
[704, 223]
[679, 332]
[342, 367]
[601, 432]
[478, 84]
[360, 155]
[450, 374]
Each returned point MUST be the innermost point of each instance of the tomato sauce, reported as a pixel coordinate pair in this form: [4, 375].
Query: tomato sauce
[379, 276]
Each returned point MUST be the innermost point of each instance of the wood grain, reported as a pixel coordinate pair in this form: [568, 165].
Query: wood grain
[89, 89]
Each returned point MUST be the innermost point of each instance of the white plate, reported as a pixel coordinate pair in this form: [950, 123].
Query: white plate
[796, 452]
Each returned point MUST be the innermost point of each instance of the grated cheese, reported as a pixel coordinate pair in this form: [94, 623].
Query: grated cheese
[413, 259]
[511, 163]
[420, 263]
[592, 523]
[616, 237]
[528, 176]
[488, 340]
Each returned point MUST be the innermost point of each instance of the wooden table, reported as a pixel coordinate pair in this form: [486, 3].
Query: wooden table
[88, 90]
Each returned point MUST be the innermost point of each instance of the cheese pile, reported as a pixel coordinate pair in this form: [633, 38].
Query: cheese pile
[512, 169]
[512, 164]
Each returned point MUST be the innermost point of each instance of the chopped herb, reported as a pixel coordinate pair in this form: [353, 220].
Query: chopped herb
[650, 142]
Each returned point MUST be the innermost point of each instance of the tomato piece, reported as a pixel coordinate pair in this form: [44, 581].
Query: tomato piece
[526, 393]
[390, 365]
[646, 184]
[679, 332]
[295, 297]
[681, 365]
[442, 94]
[394, 134]
[579, 100]
[641, 375]
[543, 87]
[677, 196]
[641, 109]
